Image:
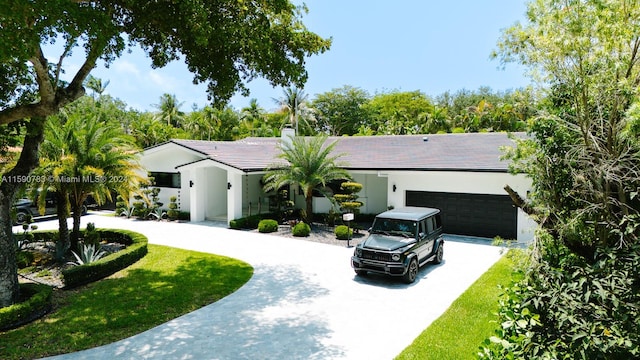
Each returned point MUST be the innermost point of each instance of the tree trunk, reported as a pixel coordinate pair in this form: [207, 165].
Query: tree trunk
[62, 208]
[9, 288]
[309, 210]
[75, 233]
[29, 160]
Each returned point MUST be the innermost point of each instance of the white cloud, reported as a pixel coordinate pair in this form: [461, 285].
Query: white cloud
[126, 67]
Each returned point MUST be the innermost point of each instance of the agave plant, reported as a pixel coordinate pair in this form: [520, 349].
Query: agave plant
[158, 214]
[89, 253]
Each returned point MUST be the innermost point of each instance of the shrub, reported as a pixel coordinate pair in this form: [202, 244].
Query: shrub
[173, 212]
[267, 226]
[343, 232]
[249, 222]
[37, 304]
[301, 229]
[91, 236]
[579, 310]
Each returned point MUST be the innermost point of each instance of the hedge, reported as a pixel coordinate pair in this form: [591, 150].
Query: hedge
[249, 222]
[136, 248]
[37, 304]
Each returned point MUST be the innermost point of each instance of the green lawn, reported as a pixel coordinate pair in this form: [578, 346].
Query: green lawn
[459, 332]
[165, 284]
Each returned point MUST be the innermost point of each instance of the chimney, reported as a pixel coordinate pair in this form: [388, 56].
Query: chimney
[287, 135]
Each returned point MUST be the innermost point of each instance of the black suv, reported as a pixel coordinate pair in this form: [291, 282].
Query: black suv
[26, 207]
[399, 242]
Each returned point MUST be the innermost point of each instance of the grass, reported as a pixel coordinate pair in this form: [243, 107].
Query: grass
[458, 333]
[165, 284]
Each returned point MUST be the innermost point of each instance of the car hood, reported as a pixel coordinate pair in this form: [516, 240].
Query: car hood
[387, 243]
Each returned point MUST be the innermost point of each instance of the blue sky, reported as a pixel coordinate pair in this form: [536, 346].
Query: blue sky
[378, 45]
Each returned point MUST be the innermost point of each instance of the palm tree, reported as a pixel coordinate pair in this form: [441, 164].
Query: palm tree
[170, 110]
[83, 157]
[252, 116]
[295, 103]
[311, 166]
[96, 85]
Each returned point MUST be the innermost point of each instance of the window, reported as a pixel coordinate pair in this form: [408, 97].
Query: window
[166, 179]
[430, 225]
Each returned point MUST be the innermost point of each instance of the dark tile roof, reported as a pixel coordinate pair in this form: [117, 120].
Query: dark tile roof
[436, 152]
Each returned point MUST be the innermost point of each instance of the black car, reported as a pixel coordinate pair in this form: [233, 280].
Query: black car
[26, 207]
[399, 242]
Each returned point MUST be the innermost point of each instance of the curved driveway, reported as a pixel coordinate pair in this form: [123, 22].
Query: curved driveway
[303, 302]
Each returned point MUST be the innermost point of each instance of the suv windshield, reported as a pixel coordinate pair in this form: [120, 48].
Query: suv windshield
[406, 228]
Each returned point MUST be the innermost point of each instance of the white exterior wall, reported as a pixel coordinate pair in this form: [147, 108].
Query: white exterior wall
[165, 159]
[462, 182]
[216, 195]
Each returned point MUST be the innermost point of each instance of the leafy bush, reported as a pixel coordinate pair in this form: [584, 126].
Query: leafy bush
[343, 232]
[38, 304]
[577, 311]
[267, 226]
[301, 229]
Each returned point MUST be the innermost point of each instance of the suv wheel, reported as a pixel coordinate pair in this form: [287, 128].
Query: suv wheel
[412, 272]
[439, 254]
[21, 217]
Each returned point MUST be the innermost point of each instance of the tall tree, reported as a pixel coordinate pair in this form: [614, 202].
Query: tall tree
[96, 85]
[311, 164]
[340, 111]
[252, 118]
[84, 156]
[398, 112]
[224, 45]
[585, 170]
[295, 103]
[169, 110]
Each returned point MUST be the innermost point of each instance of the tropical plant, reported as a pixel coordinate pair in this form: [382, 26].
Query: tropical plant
[311, 164]
[82, 157]
[295, 103]
[89, 253]
[169, 111]
[246, 40]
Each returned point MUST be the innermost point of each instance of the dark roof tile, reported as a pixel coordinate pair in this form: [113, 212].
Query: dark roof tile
[460, 152]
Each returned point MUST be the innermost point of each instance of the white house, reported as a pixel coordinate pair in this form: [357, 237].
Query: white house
[461, 174]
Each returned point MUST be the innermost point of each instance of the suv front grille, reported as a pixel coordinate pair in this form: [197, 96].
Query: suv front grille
[374, 255]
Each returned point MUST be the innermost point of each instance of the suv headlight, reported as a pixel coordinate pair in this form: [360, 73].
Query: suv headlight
[395, 257]
[358, 252]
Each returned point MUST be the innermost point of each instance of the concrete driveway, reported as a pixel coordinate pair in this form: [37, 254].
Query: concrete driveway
[303, 302]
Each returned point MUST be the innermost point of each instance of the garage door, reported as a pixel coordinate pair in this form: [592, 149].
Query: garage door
[470, 214]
